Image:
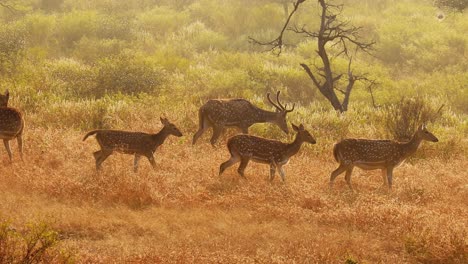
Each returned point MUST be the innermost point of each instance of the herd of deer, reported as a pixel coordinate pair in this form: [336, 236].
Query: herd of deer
[218, 114]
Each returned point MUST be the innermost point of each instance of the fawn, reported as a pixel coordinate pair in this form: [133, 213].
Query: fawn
[376, 154]
[244, 148]
[136, 143]
[239, 113]
[11, 125]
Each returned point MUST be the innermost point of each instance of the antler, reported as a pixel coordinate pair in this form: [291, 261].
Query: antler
[292, 109]
[278, 104]
[271, 102]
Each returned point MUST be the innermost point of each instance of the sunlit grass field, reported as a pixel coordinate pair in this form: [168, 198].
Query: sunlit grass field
[184, 212]
[77, 65]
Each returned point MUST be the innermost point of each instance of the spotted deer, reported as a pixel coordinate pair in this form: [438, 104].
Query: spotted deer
[220, 113]
[11, 125]
[244, 148]
[376, 154]
[136, 143]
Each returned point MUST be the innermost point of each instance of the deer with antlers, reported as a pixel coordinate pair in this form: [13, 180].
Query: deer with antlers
[11, 125]
[220, 113]
[244, 148]
[376, 154]
[136, 143]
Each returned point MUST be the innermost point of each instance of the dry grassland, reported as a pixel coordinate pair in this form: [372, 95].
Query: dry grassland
[184, 213]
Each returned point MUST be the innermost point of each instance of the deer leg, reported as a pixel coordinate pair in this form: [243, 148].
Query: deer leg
[105, 153]
[19, 139]
[151, 160]
[390, 177]
[205, 124]
[281, 173]
[349, 171]
[272, 171]
[337, 172]
[384, 177]
[233, 160]
[97, 155]
[217, 130]
[242, 166]
[6, 142]
[135, 162]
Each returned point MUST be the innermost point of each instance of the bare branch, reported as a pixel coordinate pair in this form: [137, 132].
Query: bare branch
[311, 75]
[277, 44]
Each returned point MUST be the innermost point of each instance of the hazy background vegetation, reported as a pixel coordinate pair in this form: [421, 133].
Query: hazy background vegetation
[66, 53]
[74, 65]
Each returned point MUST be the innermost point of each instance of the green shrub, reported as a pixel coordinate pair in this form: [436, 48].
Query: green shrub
[37, 243]
[114, 27]
[40, 28]
[76, 24]
[75, 78]
[12, 47]
[197, 37]
[161, 20]
[91, 50]
[128, 73]
[402, 119]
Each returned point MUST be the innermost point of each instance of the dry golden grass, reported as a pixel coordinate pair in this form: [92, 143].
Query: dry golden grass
[183, 212]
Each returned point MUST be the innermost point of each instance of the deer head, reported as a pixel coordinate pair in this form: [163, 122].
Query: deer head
[170, 128]
[281, 112]
[4, 99]
[303, 134]
[424, 134]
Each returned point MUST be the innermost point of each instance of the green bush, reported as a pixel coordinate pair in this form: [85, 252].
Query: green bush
[197, 37]
[114, 27]
[12, 47]
[74, 77]
[161, 20]
[91, 50]
[40, 28]
[128, 73]
[37, 243]
[76, 24]
[403, 118]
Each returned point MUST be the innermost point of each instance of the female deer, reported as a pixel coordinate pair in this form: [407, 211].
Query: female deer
[11, 125]
[376, 154]
[136, 143]
[244, 148]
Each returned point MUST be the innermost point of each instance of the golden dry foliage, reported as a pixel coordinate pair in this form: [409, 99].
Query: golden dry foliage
[184, 213]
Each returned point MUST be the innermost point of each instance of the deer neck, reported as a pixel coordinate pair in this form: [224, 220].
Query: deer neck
[267, 116]
[160, 137]
[294, 146]
[411, 146]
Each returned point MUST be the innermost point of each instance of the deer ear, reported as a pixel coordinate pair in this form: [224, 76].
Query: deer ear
[295, 127]
[7, 93]
[163, 120]
[301, 126]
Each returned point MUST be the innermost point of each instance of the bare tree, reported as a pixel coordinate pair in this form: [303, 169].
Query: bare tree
[333, 33]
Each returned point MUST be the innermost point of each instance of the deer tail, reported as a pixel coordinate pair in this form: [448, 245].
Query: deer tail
[201, 118]
[335, 152]
[90, 133]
